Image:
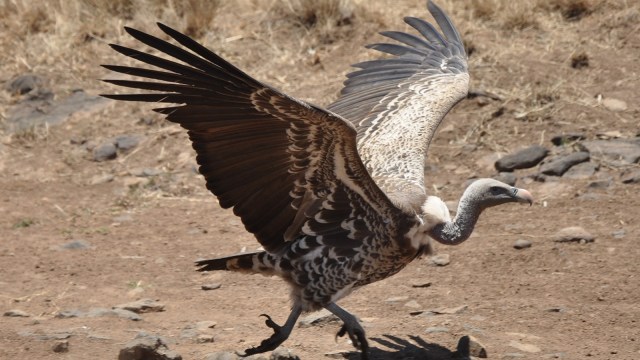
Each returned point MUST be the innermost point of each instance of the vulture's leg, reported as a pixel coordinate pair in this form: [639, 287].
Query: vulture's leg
[280, 333]
[352, 327]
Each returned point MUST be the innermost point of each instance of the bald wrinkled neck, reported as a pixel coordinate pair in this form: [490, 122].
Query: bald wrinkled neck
[460, 228]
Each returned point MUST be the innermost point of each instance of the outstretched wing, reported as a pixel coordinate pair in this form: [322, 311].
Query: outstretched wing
[397, 103]
[284, 166]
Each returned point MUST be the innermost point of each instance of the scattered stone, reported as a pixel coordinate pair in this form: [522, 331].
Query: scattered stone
[441, 259]
[579, 61]
[573, 233]
[15, 313]
[470, 346]
[507, 178]
[600, 184]
[443, 311]
[556, 309]
[631, 177]
[283, 354]
[583, 170]
[127, 143]
[318, 318]
[412, 304]
[619, 152]
[420, 284]
[522, 244]
[147, 347]
[396, 299]
[559, 166]
[563, 139]
[436, 329]
[619, 234]
[104, 152]
[523, 159]
[528, 348]
[39, 335]
[101, 179]
[41, 109]
[99, 312]
[205, 338]
[615, 105]
[61, 346]
[76, 245]
[222, 355]
[211, 287]
[23, 84]
[205, 325]
[121, 313]
[142, 306]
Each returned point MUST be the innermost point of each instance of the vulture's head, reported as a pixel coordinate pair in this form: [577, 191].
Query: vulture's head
[490, 192]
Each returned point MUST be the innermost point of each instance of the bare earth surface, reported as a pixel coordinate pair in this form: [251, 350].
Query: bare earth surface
[138, 233]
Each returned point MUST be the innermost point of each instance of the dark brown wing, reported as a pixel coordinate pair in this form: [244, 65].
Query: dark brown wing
[277, 161]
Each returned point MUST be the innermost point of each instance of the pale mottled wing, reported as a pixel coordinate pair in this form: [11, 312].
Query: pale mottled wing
[397, 103]
[286, 168]
[379, 83]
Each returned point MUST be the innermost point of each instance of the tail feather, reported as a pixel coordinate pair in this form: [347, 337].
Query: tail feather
[243, 262]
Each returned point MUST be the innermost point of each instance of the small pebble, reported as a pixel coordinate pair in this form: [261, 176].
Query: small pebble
[104, 152]
[211, 287]
[441, 259]
[61, 346]
[522, 244]
[15, 313]
[573, 233]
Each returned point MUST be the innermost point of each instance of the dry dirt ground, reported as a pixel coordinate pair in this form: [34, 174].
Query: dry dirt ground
[552, 300]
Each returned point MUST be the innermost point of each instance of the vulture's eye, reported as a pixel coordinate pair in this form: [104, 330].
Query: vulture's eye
[496, 190]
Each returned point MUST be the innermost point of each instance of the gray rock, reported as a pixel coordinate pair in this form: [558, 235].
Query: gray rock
[45, 336]
[573, 233]
[529, 348]
[619, 152]
[23, 84]
[563, 139]
[141, 306]
[318, 318]
[436, 329]
[615, 105]
[205, 338]
[420, 284]
[127, 142]
[222, 355]
[76, 245]
[211, 287]
[283, 354]
[66, 314]
[15, 313]
[147, 347]
[338, 354]
[121, 313]
[583, 170]
[523, 159]
[61, 346]
[600, 184]
[104, 152]
[440, 259]
[470, 346]
[42, 110]
[619, 234]
[559, 166]
[522, 244]
[631, 177]
[507, 178]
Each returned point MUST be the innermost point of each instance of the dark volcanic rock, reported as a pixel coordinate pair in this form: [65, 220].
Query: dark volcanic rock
[127, 142]
[617, 151]
[583, 170]
[104, 152]
[523, 159]
[507, 178]
[560, 165]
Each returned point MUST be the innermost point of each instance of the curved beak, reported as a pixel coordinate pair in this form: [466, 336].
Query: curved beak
[523, 196]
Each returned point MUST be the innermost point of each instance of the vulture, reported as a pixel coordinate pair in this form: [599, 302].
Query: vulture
[335, 196]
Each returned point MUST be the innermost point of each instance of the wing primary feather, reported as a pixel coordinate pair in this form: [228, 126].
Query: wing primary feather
[449, 31]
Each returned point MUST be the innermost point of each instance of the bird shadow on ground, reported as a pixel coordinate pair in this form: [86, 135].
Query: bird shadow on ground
[412, 348]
